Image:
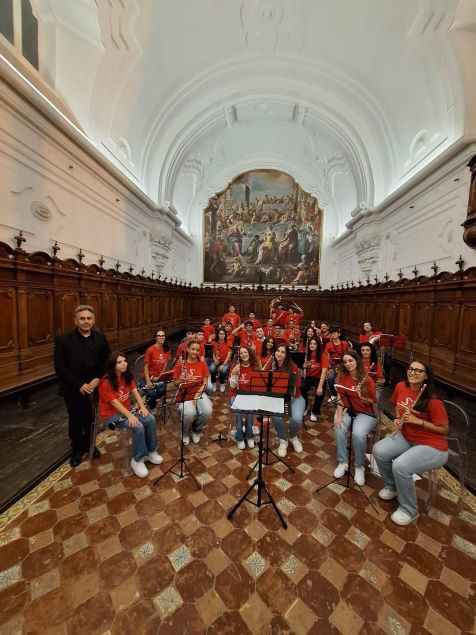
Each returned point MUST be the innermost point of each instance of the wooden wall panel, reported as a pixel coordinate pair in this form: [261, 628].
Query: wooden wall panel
[8, 313]
[40, 317]
[467, 339]
[444, 324]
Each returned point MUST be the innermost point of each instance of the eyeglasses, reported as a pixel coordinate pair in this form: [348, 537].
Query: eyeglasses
[415, 371]
[159, 335]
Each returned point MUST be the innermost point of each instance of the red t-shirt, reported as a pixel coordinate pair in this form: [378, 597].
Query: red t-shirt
[157, 359]
[404, 397]
[295, 370]
[268, 331]
[256, 323]
[363, 337]
[108, 394]
[266, 363]
[243, 380]
[209, 330]
[221, 350]
[325, 338]
[369, 391]
[247, 339]
[279, 317]
[296, 317]
[234, 318]
[336, 351]
[376, 372]
[259, 347]
[296, 334]
[195, 371]
[182, 349]
[230, 340]
[316, 365]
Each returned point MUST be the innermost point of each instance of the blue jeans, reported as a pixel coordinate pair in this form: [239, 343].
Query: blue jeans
[296, 408]
[331, 380]
[398, 460]
[248, 419]
[363, 425]
[144, 437]
[197, 416]
[212, 367]
[152, 395]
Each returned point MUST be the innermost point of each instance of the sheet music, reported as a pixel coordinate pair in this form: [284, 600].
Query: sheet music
[258, 402]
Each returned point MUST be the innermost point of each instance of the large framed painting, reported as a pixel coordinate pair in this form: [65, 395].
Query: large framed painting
[262, 229]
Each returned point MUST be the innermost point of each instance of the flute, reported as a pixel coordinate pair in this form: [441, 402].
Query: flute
[408, 409]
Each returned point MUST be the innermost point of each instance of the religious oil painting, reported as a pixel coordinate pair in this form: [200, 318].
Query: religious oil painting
[262, 229]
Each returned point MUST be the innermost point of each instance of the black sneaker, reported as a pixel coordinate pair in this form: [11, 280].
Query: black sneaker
[75, 459]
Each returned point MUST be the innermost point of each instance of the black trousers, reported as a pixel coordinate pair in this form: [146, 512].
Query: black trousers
[81, 417]
[312, 382]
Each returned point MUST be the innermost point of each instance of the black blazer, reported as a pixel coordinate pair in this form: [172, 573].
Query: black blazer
[78, 361]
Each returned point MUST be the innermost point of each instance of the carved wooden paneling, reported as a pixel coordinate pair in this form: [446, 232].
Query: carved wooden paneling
[467, 339]
[404, 319]
[390, 318]
[444, 324]
[8, 313]
[422, 322]
[66, 302]
[40, 317]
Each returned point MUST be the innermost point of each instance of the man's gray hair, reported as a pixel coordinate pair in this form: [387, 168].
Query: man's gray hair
[84, 307]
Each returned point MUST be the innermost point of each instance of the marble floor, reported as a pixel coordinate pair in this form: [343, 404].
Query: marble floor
[91, 551]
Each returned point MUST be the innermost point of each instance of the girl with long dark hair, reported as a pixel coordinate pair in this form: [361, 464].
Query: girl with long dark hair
[240, 380]
[418, 444]
[220, 365]
[267, 352]
[115, 390]
[315, 369]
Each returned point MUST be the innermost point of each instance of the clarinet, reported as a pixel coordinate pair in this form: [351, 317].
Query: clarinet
[184, 366]
[410, 408]
[112, 425]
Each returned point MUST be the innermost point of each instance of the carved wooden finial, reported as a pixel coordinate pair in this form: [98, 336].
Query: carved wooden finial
[80, 256]
[55, 248]
[118, 265]
[434, 268]
[386, 276]
[460, 262]
[400, 274]
[131, 269]
[101, 262]
[20, 238]
[415, 271]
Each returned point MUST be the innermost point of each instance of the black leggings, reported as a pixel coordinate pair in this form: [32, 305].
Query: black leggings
[312, 382]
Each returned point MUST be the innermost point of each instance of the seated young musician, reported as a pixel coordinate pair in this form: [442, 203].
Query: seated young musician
[156, 358]
[115, 389]
[191, 369]
[335, 348]
[230, 338]
[259, 340]
[324, 333]
[418, 444]
[308, 333]
[208, 330]
[372, 365]
[292, 335]
[245, 334]
[232, 317]
[240, 380]
[221, 360]
[269, 328]
[267, 349]
[254, 319]
[316, 365]
[283, 363]
[368, 334]
[353, 377]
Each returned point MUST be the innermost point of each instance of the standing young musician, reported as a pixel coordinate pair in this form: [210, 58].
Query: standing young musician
[283, 363]
[269, 328]
[156, 358]
[232, 317]
[208, 330]
[221, 360]
[240, 380]
[335, 348]
[316, 365]
[115, 390]
[191, 369]
[418, 443]
[353, 376]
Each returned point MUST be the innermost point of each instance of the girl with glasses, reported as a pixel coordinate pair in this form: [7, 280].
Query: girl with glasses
[156, 358]
[418, 443]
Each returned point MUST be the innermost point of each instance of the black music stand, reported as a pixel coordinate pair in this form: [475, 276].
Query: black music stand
[274, 385]
[185, 392]
[354, 405]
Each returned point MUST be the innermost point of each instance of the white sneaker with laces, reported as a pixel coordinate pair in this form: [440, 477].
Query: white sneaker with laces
[155, 458]
[313, 417]
[196, 436]
[332, 400]
[283, 448]
[340, 470]
[241, 445]
[359, 476]
[214, 387]
[222, 387]
[250, 443]
[139, 469]
[297, 445]
[402, 518]
[387, 494]
[186, 440]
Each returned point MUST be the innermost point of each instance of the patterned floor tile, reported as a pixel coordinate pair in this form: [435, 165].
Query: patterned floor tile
[168, 601]
[255, 564]
[180, 557]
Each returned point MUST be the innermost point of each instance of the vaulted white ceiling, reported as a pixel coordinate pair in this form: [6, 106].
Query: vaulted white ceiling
[351, 98]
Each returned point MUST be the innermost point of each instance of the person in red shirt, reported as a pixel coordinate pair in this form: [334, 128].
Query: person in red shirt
[269, 328]
[292, 335]
[278, 334]
[156, 358]
[240, 380]
[190, 335]
[297, 405]
[369, 335]
[418, 444]
[267, 349]
[230, 338]
[373, 366]
[232, 317]
[294, 315]
[209, 331]
[308, 333]
[354, 380]
[115, 410]
[335, 348]
[191, 369]
[245, 334]
[324, 333]
[279, 316]
[253, 318]
[259, 339]
[316, 365]
[221, 359]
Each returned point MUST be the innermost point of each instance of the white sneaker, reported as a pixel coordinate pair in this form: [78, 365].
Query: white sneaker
[306, 411]
[387, 494]
[359, 476]
[332, 400]
[155, 458]
[214, 387]
[297, 445]
[255, 430]
[313, 417]
[340, 470]
[241, 445]
[186, 440]
[196, 436]
[402, 518]
[250, 443]
[222, 387]
[139, 469]
[283, 448]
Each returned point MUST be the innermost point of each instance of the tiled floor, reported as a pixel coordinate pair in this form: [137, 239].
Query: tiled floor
[101, 553]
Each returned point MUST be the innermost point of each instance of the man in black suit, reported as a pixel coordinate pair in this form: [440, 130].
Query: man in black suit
[80, 358]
